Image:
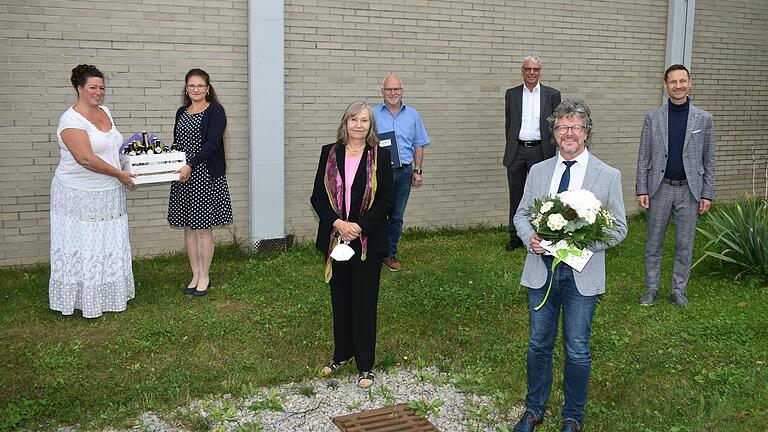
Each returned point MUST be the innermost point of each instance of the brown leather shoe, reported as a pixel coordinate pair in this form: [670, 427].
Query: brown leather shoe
[393, 264]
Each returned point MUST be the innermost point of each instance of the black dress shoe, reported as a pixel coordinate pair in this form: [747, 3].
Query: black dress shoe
[570, 425]
[198, 293]
[513, 244]
[527, 422]
[189, 290]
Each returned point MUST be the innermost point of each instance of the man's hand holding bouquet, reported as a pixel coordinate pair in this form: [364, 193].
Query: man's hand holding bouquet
[569, 223]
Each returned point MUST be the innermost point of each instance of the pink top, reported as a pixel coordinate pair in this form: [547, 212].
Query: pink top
[350, 169]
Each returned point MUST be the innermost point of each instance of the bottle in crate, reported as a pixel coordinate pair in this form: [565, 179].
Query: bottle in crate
[138, 147]
[158, 146]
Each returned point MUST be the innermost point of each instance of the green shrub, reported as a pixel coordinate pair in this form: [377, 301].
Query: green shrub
[737, 236]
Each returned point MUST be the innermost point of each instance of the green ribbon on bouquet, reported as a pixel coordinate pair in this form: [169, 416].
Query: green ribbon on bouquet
[560, 256]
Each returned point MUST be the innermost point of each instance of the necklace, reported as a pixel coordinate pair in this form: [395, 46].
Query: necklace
[355, 149]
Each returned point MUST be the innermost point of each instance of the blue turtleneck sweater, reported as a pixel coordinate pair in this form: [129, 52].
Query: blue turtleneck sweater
[678, 121]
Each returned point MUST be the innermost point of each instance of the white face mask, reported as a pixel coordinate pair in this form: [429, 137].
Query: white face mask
[342, 252]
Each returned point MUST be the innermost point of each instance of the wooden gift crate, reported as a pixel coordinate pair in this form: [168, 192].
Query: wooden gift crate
[154, 168]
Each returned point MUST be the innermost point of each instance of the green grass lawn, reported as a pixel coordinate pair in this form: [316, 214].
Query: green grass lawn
[457, 304]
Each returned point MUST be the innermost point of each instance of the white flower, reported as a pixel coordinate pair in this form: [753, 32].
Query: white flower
[609, 218]
[556, 221]
[547, 206]
[537, 221]
[590, 217]
[582, 201]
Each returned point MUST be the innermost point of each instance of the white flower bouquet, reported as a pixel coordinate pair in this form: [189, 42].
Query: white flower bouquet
[569, 223]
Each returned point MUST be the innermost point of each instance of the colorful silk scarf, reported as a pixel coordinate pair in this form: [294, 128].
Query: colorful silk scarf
[334, 187]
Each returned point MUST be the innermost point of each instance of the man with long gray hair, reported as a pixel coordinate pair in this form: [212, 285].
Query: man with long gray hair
[573, 293]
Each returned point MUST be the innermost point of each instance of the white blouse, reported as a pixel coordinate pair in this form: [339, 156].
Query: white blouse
[105, 145]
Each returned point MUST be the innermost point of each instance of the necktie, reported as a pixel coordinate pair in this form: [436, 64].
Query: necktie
[566, 178]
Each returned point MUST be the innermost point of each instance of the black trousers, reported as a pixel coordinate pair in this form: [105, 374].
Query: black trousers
[517, 172]
[354, 298]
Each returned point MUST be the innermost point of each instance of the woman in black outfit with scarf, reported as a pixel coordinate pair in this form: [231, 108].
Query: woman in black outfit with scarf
[352, 197]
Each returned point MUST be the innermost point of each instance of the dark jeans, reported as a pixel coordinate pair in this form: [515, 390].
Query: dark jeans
[354, 299]
[577, 323]
[402, 189]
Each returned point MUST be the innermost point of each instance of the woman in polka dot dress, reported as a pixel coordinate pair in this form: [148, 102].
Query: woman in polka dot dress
[200, 199]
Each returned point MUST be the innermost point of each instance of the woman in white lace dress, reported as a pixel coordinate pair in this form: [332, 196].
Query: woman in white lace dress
[90, 253]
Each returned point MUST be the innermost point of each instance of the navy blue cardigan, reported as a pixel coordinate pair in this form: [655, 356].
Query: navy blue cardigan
[212, 133]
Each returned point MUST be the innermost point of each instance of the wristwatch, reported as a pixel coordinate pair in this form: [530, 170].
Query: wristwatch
[418, 171]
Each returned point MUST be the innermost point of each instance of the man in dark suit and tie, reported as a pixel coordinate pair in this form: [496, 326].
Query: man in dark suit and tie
[574, 294]
[675, 172]
[529, 140]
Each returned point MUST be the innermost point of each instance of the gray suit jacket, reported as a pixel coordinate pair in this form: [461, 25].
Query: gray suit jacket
[698, 152]
[513, 113]
[605, 182]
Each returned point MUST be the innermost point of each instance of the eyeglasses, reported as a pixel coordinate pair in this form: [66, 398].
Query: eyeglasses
[575, 129]
[196, 86]
[531, 70]
[392, 89]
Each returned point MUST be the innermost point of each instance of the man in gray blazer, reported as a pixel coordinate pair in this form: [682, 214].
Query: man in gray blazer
[575, 293]
[675, 172]
[526, 108]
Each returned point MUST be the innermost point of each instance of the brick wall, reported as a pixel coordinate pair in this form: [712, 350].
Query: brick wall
[729, 68]
[456, 59]
[144, 49]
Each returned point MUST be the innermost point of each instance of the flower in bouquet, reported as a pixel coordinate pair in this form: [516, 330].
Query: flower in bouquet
[575, 219]
[556, 221]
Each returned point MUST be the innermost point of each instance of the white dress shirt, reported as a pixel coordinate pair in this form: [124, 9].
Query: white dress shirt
[529, 124]
[577, 172]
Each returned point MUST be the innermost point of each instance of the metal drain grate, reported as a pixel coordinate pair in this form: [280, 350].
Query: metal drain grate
[398, 418]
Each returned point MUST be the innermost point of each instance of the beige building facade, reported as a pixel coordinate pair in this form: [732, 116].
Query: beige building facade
[456, 59]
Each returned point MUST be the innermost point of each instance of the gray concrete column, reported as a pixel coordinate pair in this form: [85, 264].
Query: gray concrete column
[266, 134]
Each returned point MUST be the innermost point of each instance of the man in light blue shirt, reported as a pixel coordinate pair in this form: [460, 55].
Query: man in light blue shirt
[411, 137]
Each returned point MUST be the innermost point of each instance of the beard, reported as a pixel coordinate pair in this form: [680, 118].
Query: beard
[569, 149]
[393, 100]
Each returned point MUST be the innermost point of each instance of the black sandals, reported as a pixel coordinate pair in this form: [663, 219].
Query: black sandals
[365, 379]
[333, 365]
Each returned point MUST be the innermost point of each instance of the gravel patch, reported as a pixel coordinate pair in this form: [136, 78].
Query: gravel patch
[310, 406]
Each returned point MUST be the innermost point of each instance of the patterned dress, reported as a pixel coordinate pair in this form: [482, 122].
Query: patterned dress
[202, 202]
[90, 252]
